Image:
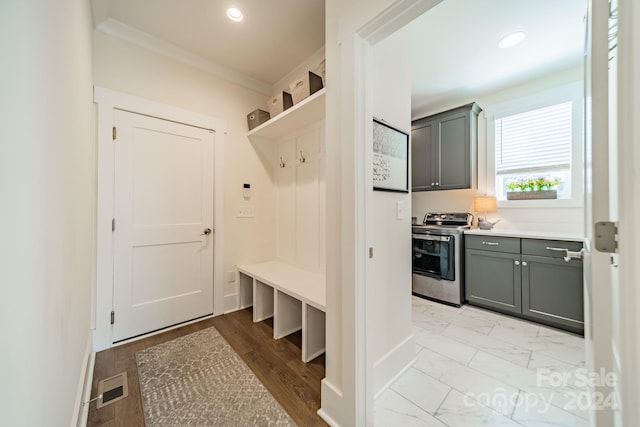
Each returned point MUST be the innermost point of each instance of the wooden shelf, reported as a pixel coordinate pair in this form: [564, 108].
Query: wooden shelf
[303, 114]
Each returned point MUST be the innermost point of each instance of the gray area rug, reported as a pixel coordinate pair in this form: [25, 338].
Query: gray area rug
[199, 380]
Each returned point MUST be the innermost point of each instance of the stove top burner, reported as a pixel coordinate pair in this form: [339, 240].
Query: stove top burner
[458, 221]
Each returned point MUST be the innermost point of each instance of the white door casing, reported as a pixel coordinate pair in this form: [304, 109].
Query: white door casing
[600, 198]
[163, 257]
[108, 102]
[626, 320]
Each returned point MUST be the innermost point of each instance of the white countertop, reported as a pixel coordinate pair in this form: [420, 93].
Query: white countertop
[530, 234]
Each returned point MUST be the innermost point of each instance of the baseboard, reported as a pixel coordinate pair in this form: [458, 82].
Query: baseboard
[231, 303]
[83, 393]
[331, 404]
[393, 364]
[161, 331]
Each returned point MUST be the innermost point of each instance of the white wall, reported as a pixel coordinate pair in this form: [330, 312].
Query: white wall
[47, 183]
[125, 67]
[332, 386]
[300, 199]
[347, 388]
[393, 346]
[568, 219]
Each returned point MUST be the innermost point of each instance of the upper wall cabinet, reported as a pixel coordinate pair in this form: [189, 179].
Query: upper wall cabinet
[443, 150]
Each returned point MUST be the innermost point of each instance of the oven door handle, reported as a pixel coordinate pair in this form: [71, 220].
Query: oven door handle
[431, 237]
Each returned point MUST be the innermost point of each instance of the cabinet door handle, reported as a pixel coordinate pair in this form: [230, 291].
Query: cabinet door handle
[516, 262]
[433, 184]
[568, 255]
[524, 263]
[491, 243]
[437, 183]
[549, 248]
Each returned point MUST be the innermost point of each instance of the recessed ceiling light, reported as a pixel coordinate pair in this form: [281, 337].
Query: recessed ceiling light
[235, 14]
[512, 39]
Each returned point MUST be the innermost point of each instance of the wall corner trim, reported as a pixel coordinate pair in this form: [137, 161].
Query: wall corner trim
[393, 364]
[331, 404]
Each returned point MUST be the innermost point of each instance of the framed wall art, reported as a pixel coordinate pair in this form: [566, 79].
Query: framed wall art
[390, 158]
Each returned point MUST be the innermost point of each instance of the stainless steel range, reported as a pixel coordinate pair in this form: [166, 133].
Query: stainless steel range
[438, 251]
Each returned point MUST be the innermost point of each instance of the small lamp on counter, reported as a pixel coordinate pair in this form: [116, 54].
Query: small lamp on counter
[485, 204]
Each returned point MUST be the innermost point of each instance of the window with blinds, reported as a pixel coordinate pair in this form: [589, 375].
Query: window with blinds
[535, 143]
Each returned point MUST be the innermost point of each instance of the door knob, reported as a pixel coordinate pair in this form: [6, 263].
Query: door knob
[207, 231]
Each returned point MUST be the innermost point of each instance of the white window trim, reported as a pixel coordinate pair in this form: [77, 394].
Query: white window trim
[568, 92]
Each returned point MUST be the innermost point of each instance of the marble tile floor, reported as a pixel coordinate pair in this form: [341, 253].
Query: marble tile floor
[475, 367]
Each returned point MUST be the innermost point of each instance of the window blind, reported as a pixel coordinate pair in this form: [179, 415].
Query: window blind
[535, 140]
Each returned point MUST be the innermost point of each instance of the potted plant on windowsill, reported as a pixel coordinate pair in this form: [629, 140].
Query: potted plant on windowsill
[533, 188]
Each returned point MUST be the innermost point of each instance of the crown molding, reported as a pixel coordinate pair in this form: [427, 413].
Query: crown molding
[122, 31]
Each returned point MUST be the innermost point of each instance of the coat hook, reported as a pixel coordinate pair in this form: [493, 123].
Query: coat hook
[302, 159]
[281, 162]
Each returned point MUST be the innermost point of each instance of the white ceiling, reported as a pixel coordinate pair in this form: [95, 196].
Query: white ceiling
[456, 54]
[275, 37]
[455, 49]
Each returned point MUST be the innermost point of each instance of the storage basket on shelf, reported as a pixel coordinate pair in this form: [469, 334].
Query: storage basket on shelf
[305, 86]
[280, 103]
[256, 118]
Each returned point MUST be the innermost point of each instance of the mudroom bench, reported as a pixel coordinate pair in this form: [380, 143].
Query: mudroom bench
[294, 297]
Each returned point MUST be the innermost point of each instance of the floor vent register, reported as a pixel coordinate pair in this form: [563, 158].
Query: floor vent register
[112, 389]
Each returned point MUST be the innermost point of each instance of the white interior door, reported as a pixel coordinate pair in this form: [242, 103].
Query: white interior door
[601, 198]
[163, 205]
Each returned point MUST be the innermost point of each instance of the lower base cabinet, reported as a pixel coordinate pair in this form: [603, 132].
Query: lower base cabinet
[496, 280]
[529, 278]
[552, 291]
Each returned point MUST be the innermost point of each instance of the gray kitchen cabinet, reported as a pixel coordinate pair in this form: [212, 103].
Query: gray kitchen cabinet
[423, 159]
[492, 271]
[552, 287]
[443, 149]
[526, 277]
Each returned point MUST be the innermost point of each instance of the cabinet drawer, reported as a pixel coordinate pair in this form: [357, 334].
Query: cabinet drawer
[549, 248]
[493, 243]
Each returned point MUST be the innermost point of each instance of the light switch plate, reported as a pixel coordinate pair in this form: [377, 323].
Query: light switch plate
[399, 210]
[246, 212]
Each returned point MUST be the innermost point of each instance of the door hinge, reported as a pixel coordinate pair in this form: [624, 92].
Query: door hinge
[113, 317]
[113, 133]
[605, 233]
[113, 224]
